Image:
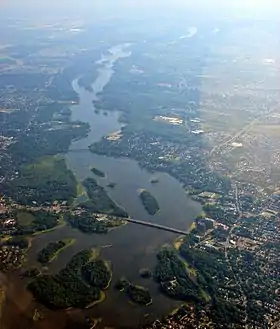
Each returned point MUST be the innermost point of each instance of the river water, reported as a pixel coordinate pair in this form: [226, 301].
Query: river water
[132, 247]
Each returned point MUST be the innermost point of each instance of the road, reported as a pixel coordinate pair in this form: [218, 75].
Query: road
[157, 226]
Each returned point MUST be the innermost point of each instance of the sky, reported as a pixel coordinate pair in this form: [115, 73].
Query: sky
[124, 8]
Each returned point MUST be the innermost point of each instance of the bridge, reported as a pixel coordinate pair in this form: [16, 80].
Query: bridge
[78, 150]
[157, 226]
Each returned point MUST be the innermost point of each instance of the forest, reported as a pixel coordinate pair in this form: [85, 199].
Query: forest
[173, 278]
[55, 138]
[42, 220]
[43, 181]
[100, 201]
[46, 254]
[97, 274]
[97, 172]
[137, 294]
[149, 202]
[74, 285]
[86, 223]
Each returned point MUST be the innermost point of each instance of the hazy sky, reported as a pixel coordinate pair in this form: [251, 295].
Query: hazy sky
[125, 7]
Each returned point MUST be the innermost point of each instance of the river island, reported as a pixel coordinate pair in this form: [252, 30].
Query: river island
[79, 284]
[50, 252]
[97, 172]
[136, 294]
[149, 202]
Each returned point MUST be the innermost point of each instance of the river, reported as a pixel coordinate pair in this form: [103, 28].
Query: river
[131, 247]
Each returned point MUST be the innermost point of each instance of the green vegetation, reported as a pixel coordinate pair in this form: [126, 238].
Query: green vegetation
[18, 241]
[48, 140]
[79, 284]
[97, 172]
[139, 295]
[86, 223]
[42, 221]
[44, 181]
[97, 274]
[121, 284]
[100, 201]
[66, 289]
[136, 294]
[149, 202]
[25, 218]
[173, 277]
[48, 253]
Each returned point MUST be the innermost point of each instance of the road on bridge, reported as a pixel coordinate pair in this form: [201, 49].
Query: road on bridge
[157, 226]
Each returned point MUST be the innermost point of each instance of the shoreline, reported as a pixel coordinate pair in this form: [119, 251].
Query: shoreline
[68, 244]
[100, 300]
[109, 268]
[61, 223]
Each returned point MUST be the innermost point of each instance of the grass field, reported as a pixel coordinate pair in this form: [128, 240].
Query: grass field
[25, 218]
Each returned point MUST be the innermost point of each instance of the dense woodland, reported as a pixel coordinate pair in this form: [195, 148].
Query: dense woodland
[46, 254]
[97, 274]
[97, 172]
[51, 139]
[42, 221]
[44, 181]
[100, 201]
[86, 223]
[173, 277]
[149, 202]
[74, 285]
[136, 294]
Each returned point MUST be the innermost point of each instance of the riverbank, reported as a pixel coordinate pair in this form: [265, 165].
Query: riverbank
[68, 243]
[61, 223]
[100, 300]
[128, 178]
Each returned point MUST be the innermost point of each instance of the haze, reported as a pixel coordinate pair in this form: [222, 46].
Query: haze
[125, 8]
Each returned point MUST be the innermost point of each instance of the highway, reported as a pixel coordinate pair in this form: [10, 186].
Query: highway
[157, 226]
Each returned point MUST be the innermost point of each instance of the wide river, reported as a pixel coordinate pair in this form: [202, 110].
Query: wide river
[131, 247]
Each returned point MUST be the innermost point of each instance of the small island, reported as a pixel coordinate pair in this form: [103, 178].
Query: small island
[112, 185]
[80, 284]
[154, 180]
[136, 294]
[90, 223]
[145, 273]
[149, 202]
[99, 200]
[97, 172]
[49, 253]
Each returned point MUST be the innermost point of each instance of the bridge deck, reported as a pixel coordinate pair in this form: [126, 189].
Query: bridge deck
[157, 226]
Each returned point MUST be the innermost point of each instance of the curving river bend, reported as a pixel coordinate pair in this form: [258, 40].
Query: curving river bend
[132, 247]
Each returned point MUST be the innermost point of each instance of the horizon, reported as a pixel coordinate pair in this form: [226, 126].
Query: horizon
[259, 9]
